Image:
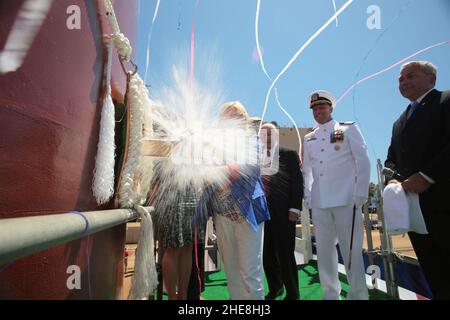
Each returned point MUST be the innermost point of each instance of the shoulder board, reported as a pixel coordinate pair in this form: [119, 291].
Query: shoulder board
[346, 123]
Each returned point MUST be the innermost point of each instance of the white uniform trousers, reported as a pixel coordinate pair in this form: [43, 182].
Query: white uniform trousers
[241, 250]
[333, 225]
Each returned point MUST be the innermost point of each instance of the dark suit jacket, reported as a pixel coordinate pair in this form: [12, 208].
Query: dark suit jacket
[423, 144]
[286, 187]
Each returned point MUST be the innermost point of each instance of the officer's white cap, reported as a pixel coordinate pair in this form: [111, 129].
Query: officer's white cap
[320, 97]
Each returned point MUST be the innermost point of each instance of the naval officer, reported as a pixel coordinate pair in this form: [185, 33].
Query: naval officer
[336, 170]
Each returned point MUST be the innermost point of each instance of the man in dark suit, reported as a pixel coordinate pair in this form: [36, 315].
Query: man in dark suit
[283, 182]
[420, 154]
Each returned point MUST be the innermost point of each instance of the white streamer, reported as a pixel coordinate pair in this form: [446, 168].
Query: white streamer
[334, 6]
[293, 121]
[268, 76]
[147, 60]
[315, 35]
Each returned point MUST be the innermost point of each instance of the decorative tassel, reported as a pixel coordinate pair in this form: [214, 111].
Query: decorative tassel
[145, 279]
[137, 172]
[103, 183]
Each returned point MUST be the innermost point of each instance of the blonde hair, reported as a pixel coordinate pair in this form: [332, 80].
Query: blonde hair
[236, 106]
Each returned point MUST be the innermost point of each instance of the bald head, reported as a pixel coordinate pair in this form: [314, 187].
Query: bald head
[269, 135]
[268, 126]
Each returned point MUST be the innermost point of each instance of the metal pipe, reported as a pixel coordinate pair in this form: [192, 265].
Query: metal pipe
[21, 237]
[368, 227]
[386, 241]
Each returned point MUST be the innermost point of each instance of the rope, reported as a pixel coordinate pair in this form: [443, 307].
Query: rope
[120, 41]
[103, 181]
[88, 260]
[86, 228]
[192, 69]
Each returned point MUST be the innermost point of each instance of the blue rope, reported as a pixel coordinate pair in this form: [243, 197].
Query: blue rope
[86, 229]
[84, 218]
[87, 251]
[73, 212]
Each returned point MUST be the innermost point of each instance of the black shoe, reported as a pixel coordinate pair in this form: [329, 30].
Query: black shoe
[291, 298]
[273, 296]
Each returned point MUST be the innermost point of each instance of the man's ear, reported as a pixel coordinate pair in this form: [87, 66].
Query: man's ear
[433, 79]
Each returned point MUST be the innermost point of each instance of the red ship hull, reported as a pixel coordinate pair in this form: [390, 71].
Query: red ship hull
[49, 125]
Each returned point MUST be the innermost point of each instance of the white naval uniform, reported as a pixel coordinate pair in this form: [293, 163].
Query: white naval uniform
[336, 176]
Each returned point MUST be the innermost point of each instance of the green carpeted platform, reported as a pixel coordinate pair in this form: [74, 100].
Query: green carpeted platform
[216, 285]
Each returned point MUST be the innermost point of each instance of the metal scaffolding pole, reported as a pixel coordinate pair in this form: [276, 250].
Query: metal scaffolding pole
[386, 241]
[20, 237]
[368, 227]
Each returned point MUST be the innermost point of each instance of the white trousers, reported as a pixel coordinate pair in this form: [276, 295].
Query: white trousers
[241, 250]
[333, 225]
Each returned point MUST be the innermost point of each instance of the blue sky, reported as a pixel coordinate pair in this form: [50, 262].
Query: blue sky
[335, 60]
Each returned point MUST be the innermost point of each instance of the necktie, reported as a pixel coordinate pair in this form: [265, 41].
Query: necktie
[413, 108]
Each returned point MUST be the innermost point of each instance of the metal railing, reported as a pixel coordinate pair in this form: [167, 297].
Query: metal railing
[21, 237]
[388, 254]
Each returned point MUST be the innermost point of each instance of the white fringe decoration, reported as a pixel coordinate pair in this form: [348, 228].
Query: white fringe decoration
[137, 172]
[145, 279]
[103, 182]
